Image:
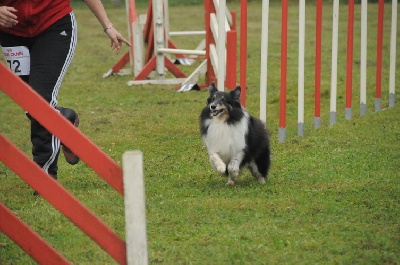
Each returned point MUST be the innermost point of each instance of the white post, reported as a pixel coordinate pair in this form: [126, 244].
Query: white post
[264, 61]
[363, 61]
[138, 48]
[130, 32]
[135, 208]
[335, 25]
[300, 105]
[221, 45]
[159, 41]
[166, 22]
[393, 54]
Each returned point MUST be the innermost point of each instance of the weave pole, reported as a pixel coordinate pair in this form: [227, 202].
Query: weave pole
[282, 110]
[264, 61]
[333, 95]
[349, 64]
[334, 66]
[379, 39]
[318, 42]
[393, 55]
[363, 58]
[300, 77]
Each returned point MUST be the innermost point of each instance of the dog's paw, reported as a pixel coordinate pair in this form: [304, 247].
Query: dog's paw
[221, 168]
[261, 180]
[230, 182]
[234, 168]
[218, 163]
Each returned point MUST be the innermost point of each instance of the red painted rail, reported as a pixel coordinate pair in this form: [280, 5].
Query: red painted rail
[61, 199]
[39, 109]
[47, 187]
[284, 33]
[318, 40]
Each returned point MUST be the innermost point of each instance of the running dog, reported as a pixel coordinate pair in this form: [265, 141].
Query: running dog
[233, 138]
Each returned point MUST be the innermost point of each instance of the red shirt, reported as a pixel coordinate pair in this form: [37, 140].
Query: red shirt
[35, 16]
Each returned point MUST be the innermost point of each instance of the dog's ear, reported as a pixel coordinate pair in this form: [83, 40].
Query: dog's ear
[235, 94]
[212, 88]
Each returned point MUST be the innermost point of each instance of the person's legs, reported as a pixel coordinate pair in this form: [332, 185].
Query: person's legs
[45, 148]
[51, 55]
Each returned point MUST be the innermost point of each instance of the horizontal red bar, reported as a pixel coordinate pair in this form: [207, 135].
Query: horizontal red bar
[39, 109]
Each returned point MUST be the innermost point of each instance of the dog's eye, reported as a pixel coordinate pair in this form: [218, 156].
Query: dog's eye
[223, 100]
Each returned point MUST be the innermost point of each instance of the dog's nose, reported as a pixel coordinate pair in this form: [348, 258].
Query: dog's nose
[212, 106]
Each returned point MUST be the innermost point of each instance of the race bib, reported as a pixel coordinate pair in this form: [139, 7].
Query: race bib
[17, 59]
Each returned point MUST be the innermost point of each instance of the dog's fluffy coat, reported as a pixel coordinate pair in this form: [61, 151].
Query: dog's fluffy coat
[233, 138]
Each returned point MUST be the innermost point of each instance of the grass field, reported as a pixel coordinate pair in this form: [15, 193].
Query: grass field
[332, 197]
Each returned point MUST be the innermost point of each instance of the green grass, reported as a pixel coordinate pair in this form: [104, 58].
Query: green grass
[332, 196]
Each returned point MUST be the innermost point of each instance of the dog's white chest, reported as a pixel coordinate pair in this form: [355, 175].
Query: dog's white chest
[226, 139]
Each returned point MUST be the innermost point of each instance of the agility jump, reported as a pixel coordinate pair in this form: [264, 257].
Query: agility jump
[152, 45]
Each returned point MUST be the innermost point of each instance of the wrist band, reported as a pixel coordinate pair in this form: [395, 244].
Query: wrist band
[107, 28]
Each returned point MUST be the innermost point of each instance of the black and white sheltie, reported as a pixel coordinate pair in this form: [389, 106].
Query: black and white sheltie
[233, 138]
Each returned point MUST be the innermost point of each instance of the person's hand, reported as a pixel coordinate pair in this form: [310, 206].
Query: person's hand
[116, 39]
[7, 17]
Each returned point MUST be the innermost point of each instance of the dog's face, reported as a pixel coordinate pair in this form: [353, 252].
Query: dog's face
[222, 103]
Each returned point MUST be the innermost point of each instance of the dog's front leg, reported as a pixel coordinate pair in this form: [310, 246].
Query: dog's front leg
[234, 168]
[217, 163]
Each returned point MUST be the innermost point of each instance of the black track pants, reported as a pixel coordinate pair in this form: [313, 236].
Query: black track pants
[45, 60]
